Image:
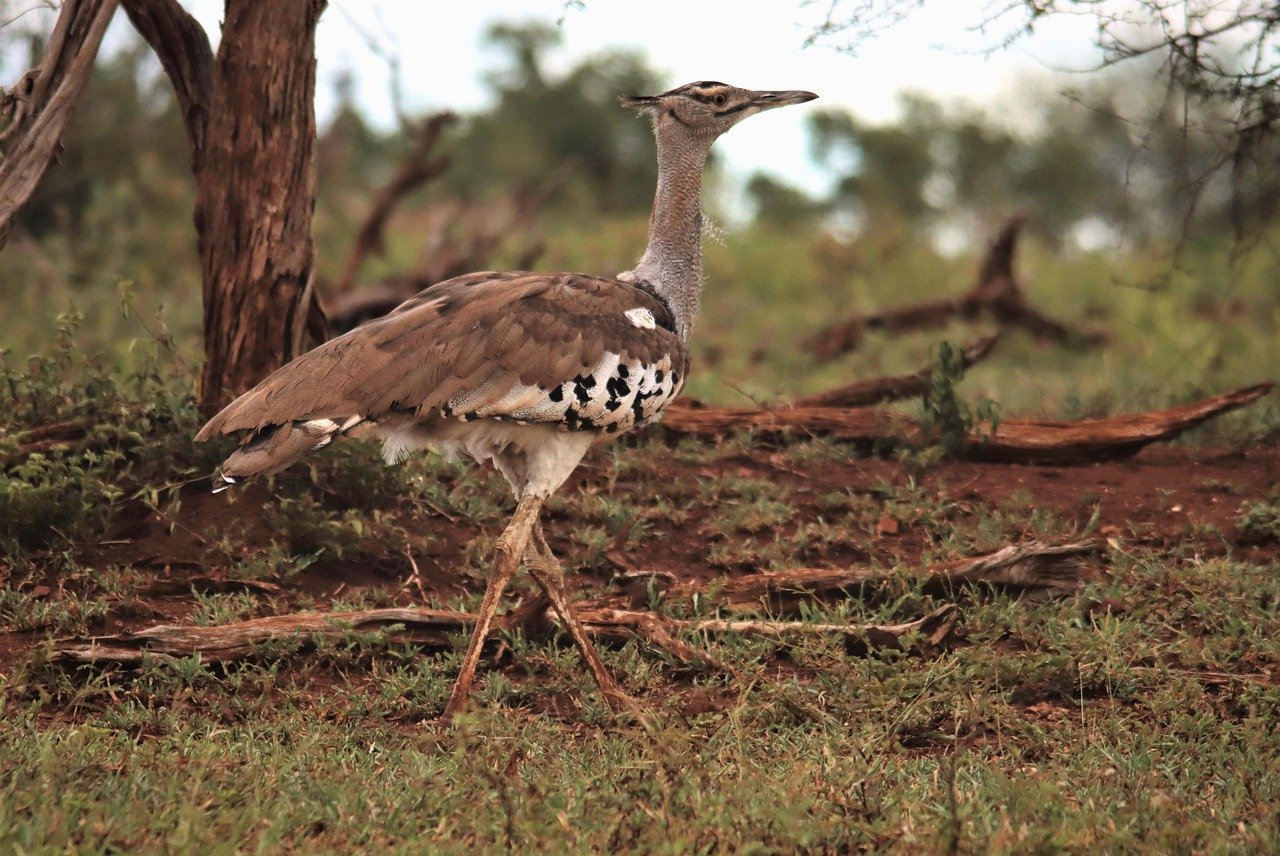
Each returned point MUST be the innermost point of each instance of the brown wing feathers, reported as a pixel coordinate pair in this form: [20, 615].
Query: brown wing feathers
[473, 333]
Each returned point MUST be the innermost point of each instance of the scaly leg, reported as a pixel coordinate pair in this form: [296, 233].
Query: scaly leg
[512, 546]
[549, 574]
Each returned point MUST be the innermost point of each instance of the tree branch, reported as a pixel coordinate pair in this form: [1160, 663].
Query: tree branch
[415, 170]
[1050, 568]
[865, 393]
[39, 106]
[997, 292]
[184, 51]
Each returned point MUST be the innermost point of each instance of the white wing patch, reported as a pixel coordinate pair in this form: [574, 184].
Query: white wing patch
[641, 317]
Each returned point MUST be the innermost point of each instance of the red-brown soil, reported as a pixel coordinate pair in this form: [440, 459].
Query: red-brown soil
[1183, 500]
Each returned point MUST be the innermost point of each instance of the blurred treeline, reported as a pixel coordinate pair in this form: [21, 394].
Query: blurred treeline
[1120, 185]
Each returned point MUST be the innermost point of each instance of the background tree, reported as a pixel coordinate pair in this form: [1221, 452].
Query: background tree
[1221, 58]
[249, 114]
[1073, 165]
[35, 112]
[539, 122]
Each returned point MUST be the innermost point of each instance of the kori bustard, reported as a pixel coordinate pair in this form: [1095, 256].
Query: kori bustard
[526, 371]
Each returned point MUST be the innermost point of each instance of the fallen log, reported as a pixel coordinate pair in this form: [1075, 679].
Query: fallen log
[229, 643]
[1039, 441]
[1031, 565]
[997, 293]
[882, 390]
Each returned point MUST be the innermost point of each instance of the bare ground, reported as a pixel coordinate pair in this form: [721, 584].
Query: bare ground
[1167, 499]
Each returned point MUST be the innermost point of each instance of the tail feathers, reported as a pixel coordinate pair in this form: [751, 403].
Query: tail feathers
[276, 447]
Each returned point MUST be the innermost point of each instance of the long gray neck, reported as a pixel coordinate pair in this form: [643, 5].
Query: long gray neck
[672, 263]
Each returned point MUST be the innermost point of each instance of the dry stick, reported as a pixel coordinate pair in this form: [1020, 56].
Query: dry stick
[937, 626]
[1032, 565]
[39, 106]
[230, 642]
[1050, 567]
[997, 292]
[416, 169]
[881, 390]
[461, 238]
[1042, 441]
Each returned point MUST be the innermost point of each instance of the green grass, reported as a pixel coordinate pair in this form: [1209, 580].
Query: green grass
[1045, 733]
[1202, 323]
[1136, 716]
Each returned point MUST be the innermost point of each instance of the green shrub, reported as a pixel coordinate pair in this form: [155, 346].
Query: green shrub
[46, 500]
[1260, 521]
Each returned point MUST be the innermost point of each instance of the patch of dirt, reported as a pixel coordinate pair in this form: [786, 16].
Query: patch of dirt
[1165, 498]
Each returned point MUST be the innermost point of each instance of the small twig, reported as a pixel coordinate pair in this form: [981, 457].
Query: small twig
[415, 578]
[882, 390]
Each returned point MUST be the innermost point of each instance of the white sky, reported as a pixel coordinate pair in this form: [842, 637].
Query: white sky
[753, 43]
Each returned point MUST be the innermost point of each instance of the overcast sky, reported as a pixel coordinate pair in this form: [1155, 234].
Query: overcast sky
[758, 44]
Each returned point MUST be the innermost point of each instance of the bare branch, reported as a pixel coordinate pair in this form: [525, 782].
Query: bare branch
[1054, 568]
[865, 393]
[183, 48]
[996, 293]
[416, 169]
[37, 109]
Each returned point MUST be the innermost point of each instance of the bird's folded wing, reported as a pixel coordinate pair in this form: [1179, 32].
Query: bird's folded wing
[487, 343]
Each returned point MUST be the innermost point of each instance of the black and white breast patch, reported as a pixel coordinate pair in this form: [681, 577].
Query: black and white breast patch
[613, 397]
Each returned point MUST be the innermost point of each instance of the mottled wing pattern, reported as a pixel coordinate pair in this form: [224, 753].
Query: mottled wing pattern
[581, 352]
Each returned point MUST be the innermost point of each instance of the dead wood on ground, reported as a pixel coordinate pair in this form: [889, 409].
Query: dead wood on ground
[997, 293]
[1041, 441]
[881, 390]
[1048, 568]
[433, 627]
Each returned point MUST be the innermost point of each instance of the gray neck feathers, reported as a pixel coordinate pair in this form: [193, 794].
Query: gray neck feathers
[672, 263]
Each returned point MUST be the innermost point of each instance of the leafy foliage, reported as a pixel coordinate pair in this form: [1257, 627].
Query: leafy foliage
[943, 413]
[1260, 521]
[539, 124]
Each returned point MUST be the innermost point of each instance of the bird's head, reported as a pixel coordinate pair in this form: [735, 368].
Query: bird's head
[708, 108]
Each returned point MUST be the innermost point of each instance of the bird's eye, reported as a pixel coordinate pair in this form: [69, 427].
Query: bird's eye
[718, 100]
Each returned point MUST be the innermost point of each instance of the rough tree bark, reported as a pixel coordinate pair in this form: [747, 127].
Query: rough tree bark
[36, 110]
[250, 119]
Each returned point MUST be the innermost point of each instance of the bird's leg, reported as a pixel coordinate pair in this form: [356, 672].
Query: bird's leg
[512, 546]
[549, 574]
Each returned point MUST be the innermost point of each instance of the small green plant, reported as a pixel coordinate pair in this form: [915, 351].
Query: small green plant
[308, 527]
[944, 415]
[1259, 521]
[214, 609]
[47, 500]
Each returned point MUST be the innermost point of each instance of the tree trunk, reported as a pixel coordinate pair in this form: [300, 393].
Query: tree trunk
[255, 193]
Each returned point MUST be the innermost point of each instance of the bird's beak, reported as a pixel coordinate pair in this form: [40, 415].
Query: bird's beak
[767, 100]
